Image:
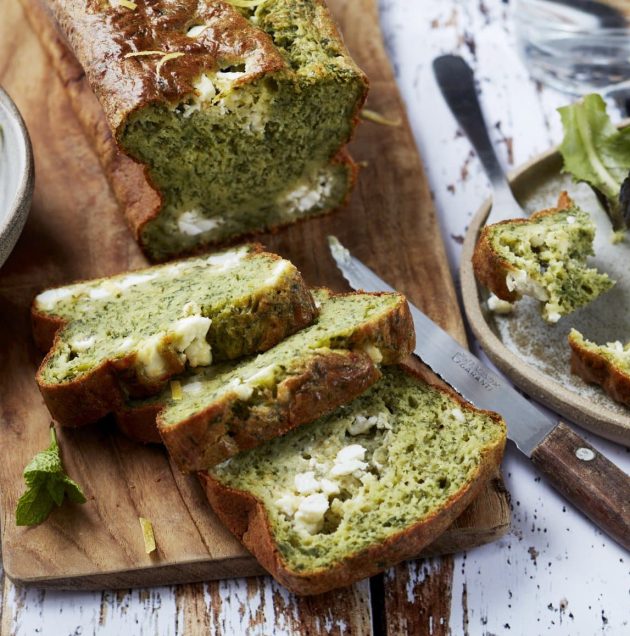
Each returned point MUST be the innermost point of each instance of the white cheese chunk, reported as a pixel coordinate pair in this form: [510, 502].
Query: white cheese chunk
[242, 391]
[264, 377]
[309, 195]
[205, 89]
[197, 30]
[100, 292]
[190, 338]
[48, 299]
[193, 388]
[305, 483]
[288, 504]
[149, 356]
[310, 513]
[499, 306]
[133, 279]
[520, 282]
[192, 222]
[81, 344]
[227, 260]
[349, 460]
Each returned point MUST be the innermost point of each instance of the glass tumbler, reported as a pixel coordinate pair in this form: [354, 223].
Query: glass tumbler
[577, 46]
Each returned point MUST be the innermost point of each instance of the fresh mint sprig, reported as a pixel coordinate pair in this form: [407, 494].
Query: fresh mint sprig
[48, 485]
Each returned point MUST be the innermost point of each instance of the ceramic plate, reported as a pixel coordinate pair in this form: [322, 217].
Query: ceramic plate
[534, 354]
[16, 175]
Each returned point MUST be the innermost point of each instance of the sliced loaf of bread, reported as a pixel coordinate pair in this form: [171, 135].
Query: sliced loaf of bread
[361, 489]
[607, 365]
[128, 334]
[544, 257]
[211, 414]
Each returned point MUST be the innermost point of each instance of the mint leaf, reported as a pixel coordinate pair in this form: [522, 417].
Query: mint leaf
[73, 491]
[596, 152]
[33, 506]
[47, 484]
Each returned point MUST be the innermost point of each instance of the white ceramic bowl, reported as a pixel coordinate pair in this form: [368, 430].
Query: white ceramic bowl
[17, 176]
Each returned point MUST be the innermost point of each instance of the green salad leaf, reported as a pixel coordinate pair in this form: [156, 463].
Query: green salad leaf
[48, 485]
[597, 152]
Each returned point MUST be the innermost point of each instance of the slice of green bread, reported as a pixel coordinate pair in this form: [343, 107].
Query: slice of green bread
[544, 257]
[236, 114]
[128, 334]
[361, 489]
[218, 412]
[607, 365]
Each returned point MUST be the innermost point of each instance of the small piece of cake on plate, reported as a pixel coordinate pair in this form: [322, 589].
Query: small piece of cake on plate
[607, 365]
[543, 257]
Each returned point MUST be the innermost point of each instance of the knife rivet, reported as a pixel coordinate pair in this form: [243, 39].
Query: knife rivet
[585, 454]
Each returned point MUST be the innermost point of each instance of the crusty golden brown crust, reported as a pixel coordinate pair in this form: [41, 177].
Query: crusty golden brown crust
[246, 517]
[213, 435]
[594, 368]
[102, 37]
[129, 180]
[490, 268]
[105, 388]
[325, 382]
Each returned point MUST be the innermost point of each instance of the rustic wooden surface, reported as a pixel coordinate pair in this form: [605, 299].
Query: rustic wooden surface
[554, 573]
[75, 231]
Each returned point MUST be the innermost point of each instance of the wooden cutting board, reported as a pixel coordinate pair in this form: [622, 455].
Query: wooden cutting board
[75, 231]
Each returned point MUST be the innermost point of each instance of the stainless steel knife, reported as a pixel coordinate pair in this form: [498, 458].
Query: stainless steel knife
[586, 478]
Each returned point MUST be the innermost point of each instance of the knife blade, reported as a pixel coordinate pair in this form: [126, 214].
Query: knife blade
[579, 472]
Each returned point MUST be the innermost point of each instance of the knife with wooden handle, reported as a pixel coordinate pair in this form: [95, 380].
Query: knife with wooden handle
[586, 478]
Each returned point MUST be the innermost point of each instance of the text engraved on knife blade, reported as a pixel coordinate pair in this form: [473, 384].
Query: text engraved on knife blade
[476, 371]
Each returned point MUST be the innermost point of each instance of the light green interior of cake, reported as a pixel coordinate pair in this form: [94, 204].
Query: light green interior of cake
[255, 380]
[145, 310]
[419, 448]
[615, 352]
[548, 255]
[238, 158]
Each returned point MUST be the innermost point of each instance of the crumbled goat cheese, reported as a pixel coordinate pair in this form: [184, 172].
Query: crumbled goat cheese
[192, 387]
[349, 460]
[307, 196]
[192, 223]
[310, 513]
[305, 483]
[520, 282]
[82, 344]
[242, 391]
[186, 335]
[48, 299]
[227, 260]
[499, 306]
[307, 506]
[197, 30]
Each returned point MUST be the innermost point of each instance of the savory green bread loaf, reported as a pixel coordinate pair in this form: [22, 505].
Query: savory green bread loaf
[212, 414]
[128, 334]
[237, 113]
[360, 489]
[544, 257]
[607, 365]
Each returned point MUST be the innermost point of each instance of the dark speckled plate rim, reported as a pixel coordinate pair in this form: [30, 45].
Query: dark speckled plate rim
[535, 383]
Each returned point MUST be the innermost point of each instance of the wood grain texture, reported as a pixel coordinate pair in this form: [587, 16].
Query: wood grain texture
[75, 231]
[590, 481]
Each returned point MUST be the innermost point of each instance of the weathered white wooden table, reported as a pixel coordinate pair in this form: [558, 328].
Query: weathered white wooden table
[554, 573]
